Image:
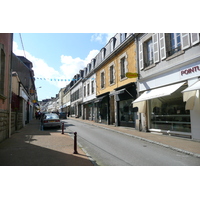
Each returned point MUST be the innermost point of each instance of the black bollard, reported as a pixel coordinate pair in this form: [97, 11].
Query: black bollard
[63, 128]
[75, 143]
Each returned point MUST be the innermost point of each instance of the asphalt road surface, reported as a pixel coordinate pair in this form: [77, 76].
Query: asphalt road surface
[109, 148]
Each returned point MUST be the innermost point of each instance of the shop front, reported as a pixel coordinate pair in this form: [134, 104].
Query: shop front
[88, 110]
[175, 108]
[102, 106]
[125, 113]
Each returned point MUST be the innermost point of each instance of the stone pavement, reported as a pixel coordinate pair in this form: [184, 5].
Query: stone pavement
[31, 146]
[188, 146]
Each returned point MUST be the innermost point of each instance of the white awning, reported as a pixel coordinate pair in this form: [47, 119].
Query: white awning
[158, 92]
[195, 86]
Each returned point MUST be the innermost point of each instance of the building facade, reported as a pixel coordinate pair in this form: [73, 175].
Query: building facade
[76, 97]
[6, 40]
[114, 91]
[89, 91]
[169, 71]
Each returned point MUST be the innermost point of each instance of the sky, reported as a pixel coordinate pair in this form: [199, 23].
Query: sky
[57, 56]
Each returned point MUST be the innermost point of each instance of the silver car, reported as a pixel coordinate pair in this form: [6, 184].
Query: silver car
[50, 120]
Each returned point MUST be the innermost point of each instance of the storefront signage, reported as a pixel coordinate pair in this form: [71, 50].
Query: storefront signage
[131, 75]
[190, 70]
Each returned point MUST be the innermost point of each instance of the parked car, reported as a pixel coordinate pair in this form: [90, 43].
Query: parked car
[50, 120]
[63, 115]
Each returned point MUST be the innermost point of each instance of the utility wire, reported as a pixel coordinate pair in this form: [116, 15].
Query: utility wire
[22, 44]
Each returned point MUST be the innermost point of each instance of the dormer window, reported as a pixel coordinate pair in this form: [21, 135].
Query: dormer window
[93, 63]
[86, 71]
[89, 68]
[103, 51]
[122, 37]
[112, 44]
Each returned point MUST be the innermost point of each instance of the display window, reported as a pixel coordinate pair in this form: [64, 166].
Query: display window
[168, 113]
[126, 113]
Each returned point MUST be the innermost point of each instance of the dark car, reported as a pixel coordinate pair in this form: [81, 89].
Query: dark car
[63, 115]
[50, 120]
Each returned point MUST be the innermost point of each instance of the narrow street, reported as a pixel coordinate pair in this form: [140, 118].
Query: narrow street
[109, 148]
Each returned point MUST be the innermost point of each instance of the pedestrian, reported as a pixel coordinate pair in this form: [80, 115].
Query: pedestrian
[39, 115]
[36, 115]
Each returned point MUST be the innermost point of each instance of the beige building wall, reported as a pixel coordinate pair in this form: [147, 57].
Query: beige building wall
[130, 53]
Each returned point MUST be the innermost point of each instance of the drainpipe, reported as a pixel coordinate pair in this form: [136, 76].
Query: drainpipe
[10, 88]
[137, 66]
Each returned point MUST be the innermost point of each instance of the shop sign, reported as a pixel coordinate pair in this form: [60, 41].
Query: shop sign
[131, 75]
[191, 70]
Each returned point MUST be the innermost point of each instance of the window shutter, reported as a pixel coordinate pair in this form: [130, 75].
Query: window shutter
[141, 63]
[162, 46]
[185, 40]
[194, 38]
[155, 48]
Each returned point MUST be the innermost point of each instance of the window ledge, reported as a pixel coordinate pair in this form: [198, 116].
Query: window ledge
[112, 83]
[149, 67]
[122, 79]
[175, 55]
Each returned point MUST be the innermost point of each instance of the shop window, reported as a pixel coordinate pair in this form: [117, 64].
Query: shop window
[168, 113]
[126, 113]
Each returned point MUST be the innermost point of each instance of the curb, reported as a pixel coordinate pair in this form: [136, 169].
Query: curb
[80, 146]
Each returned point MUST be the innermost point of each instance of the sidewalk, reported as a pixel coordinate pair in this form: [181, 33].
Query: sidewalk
[32, 147]
[184, 145]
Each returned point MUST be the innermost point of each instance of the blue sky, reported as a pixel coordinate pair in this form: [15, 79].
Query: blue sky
[58, 56]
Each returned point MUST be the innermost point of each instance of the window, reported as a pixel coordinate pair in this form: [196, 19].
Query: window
[2, 69]
[175, 43]
[122, 37]
[88, 89]
[93, 63]
[111, 74]
[122, 67]
[149, 53]
[84, 91]
[112, 44]
[92, 87]
[102, 79]
[103, 54]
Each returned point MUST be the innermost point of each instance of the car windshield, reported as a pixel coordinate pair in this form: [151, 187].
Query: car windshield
[52, 116]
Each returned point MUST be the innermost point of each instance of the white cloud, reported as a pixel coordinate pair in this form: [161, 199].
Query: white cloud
[41, 69]
[70, 66]
[102, 38]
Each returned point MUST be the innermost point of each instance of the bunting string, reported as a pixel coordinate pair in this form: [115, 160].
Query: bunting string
[57, 79]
